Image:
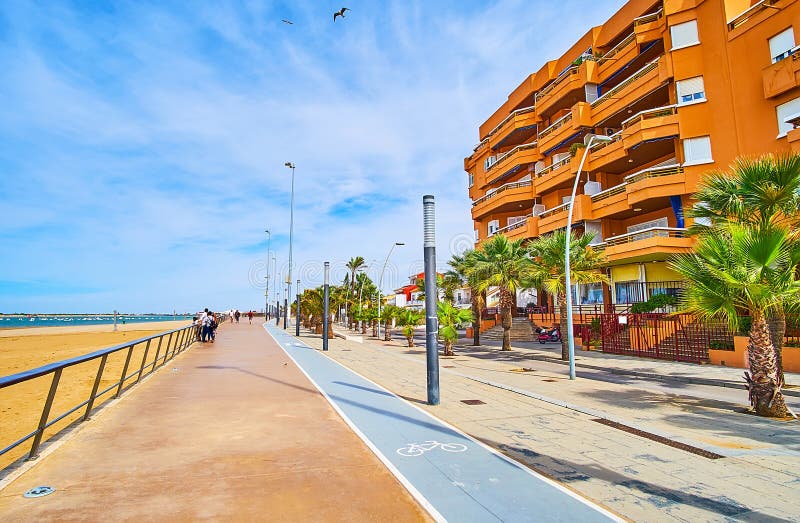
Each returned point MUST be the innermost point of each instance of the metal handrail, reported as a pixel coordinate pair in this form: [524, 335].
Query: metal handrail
[516, 149]
[184, 337]
[646, 19]
[617, 48]
[555, 125]
[513, 226]
[653, 172]
[647, 114]
[573, 69]
[608, 193]
[650, 232]
[628, 81]
[617, 136]
[552, 167]
[555, 210]
[749, 12]
[523, 110]
[502, 188]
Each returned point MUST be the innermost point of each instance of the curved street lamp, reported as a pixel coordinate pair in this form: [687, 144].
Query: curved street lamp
[380, 283]
[290, 165]
[588, 139]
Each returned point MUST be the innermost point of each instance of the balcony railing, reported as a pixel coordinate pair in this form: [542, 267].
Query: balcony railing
[617, 48]
[502, 188]
[648, 114]
[560, 78]
[555, 210]
[553, 167]
[655, 172]
[524, 110]
[513, 226]
[646, 19]
[516, 149]
[749, 13]
[652, 232]
[556, 125]
[608, 193]
[617, 136]
[625, 83]
[786, 54]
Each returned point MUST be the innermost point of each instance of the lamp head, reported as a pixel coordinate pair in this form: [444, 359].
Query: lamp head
[399, 243]
[290, 165]
[597, 138]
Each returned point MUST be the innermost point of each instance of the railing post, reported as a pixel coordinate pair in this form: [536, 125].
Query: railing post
[144, 359]
[96, 385]
[158, 351]
[124, 371]
[167, 349]
[45, 414]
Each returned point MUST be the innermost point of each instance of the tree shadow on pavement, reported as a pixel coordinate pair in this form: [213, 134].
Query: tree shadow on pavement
[660, 498]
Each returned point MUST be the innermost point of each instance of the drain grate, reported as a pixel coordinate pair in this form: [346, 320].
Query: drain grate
[473, 402]
[659, 439]
[38, 492]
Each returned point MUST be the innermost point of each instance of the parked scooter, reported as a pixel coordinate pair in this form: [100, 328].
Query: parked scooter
[546, 335]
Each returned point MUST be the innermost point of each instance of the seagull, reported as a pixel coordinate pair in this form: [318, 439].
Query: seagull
[287, 22]
[340, 12]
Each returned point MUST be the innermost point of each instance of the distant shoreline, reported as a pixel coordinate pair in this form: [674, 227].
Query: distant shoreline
[17, 321]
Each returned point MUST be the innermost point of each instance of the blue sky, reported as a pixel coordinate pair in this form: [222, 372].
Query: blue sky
[142, 144]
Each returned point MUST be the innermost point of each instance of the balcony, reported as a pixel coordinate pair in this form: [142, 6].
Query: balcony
[649, 184]
[527, 228]
[506, 198]
[650, 27]
[512, 161]
[783, 75]
[650, 125]
[610, 201]
[556, 218]
[556, 174]
[568, 87]
[602, 154]
[656, 243]
[622, 53]
[750, 13]
[558, 132]
[514, 124]
[637, 86]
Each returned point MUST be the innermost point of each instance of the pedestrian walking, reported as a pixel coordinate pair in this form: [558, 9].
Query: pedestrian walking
[237, 314]
[250, 317]
[207, 319]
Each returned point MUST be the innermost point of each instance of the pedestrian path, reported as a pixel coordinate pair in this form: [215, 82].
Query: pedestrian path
[453, 475]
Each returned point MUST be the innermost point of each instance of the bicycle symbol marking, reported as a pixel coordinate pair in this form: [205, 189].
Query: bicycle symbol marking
[418, 449]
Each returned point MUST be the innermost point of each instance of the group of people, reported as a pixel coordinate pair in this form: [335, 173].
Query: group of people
[234, 315]
[206, 325]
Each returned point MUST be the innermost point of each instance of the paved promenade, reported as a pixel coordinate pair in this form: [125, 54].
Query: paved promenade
[533, 413]
[230, 431]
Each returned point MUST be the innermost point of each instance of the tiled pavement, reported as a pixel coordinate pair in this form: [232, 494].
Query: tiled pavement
[758, 479]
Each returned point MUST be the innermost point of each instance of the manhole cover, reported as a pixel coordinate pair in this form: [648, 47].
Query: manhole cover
[473, 402]
[38, 492]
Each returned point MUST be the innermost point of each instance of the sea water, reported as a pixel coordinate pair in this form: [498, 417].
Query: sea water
[64, 320]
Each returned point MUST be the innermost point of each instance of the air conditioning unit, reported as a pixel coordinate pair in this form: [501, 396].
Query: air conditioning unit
[538, 209]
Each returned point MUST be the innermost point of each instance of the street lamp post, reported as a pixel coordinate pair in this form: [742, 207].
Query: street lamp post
[380, 283]
[275, 278]
[297, 312]
[266, 293]
[290, 165]
[588, 140]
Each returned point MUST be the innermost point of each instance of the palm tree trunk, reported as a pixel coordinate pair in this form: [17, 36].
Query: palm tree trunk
[448, 348]
[363, 326]
[562, 322]
[476, 324]
[410, 339]
[387, 336]
[505, 317]
[763, 379]
[777, 331]
[374, 328]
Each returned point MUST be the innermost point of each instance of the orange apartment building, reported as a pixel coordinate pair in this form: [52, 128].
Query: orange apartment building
[681, 87]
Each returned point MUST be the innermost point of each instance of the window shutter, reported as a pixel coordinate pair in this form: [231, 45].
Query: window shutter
[780, 43]
[690, 89]
[697, 149]
[684, 34]
[784, 111]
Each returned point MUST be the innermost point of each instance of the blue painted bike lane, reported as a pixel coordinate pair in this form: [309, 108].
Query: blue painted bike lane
[452, 475]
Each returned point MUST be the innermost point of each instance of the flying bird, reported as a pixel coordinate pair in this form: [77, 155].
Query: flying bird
[340, 12]
[287, 22]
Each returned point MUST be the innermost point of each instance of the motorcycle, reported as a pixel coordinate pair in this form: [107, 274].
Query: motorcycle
[548, 335]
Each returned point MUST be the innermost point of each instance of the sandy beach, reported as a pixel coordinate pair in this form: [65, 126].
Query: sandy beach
[27, 348]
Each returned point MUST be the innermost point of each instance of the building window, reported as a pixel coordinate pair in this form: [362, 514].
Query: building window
[472, 182]
[786, 112]
[684, 35]
[590, 293]
[493, 226]
[478, 237]
[697, 150]
[690, 90]
[781, 45]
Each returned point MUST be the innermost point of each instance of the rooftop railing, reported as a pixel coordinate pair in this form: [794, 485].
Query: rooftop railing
[161, 348]
[523, 147]
[625, 83]
[649, 114]
[646, 19]
[749, 13]
[556, 125]
[502, 188]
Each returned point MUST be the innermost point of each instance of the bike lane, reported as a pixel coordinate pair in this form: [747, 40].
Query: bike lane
[458, 479]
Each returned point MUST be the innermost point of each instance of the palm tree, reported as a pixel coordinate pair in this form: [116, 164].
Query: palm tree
[550, 271]
[462, 271]
[389, 313]
[408, 319]
[750, 268]
[354, 265]
[451, 318]
[762, 192]
[504, 264]
[311, 304]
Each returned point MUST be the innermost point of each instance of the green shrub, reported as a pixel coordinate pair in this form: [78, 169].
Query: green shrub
[656, 301]
[573, 149]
